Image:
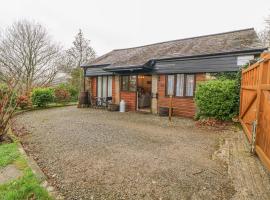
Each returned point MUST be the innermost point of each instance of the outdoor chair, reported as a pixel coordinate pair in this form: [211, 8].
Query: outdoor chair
[100, 102]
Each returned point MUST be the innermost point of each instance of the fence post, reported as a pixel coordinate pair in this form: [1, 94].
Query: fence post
[170, 109]
[241, 94]
[258, 108]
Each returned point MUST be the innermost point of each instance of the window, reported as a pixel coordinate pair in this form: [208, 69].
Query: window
[189, 85]
[170, 84]
[132, 83]
[109, 86]
[124, 83]
[104, 86]
[180, 80]
[99, 83]
[129, 83]
[180, 85]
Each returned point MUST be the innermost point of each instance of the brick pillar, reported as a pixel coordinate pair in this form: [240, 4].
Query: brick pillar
[116, 89]
[94, 86]
[88, 84]
[154, 94]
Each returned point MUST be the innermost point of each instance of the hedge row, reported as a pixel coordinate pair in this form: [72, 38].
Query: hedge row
[217, 99]
[41, 97]
[63, 93]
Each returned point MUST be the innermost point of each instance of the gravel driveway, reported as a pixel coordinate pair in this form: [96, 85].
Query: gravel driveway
[95, 154]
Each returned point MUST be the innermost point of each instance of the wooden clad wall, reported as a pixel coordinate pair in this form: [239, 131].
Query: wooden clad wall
[220, 63]
[181, 106]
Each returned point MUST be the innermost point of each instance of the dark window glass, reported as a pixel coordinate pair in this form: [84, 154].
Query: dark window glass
[132, 83]
[124, 83]
[129, 83]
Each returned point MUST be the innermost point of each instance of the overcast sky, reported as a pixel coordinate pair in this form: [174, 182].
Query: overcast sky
[114, 24]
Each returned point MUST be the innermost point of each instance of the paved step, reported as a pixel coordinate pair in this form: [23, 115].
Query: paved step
[9, 173]
[250, 178]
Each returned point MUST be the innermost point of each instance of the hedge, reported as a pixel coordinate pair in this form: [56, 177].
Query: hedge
[42, 96]
[217, 99]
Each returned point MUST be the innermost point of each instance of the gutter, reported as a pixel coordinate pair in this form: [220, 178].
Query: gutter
[199, 56]
[126, 68]
[94, 66]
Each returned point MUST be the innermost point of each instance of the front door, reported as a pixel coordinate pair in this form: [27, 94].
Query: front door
[144, 89]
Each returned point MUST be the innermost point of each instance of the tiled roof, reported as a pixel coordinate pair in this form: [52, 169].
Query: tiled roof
[240, 40]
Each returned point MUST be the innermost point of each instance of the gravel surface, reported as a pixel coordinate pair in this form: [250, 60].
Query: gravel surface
[96, 154]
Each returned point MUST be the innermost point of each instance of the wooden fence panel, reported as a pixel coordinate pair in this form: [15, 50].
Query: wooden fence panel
[255, 106]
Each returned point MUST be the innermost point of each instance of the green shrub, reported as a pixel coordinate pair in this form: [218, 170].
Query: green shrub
[41, 97]
[217, 99]
[74, 93]
[232, 76]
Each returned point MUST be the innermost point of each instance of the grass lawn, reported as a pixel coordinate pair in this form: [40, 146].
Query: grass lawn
[25, 187]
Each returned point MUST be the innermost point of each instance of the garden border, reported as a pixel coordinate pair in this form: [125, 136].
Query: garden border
[32, 164]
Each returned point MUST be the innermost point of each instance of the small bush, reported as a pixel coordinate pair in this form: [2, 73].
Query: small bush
[23, 101]
[73, 91]
[217, 99]
[41, 97]
[4, 90]
[8, 105]
[61, 95]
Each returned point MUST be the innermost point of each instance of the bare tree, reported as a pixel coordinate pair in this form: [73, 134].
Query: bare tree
[28, 54]
[81, 52]
[265, 34]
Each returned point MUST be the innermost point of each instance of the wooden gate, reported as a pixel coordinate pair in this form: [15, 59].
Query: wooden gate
[255, 106]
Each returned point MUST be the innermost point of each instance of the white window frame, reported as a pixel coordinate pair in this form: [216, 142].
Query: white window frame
[170, 86]
[104, 91]
[189, 90]
[180, 85]
[182, 80]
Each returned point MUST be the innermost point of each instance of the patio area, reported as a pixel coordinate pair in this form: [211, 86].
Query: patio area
[96, 154]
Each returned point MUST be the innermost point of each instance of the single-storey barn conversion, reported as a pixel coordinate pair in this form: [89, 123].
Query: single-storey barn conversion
[145, 76]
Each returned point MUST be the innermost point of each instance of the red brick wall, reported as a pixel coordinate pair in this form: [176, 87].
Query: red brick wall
[200, 77]
[113, 89]
[181, 106]
[94, 86]
[130, 99]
